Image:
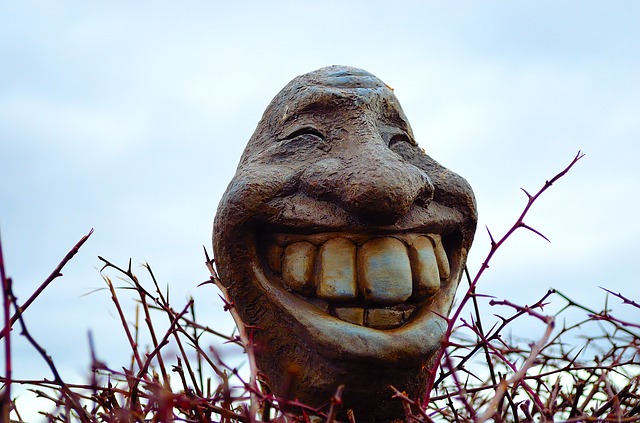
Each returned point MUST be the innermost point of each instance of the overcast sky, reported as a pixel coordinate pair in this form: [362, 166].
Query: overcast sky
[130, 118]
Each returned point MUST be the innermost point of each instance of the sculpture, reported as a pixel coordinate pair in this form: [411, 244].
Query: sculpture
[343, 242]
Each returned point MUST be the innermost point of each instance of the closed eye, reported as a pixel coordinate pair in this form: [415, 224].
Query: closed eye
[400, 138]
[307, 130]
[308, 135]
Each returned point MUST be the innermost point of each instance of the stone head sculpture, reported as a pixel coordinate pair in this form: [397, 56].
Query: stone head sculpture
[343, 242]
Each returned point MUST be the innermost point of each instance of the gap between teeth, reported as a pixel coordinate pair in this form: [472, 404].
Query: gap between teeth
[341, 268]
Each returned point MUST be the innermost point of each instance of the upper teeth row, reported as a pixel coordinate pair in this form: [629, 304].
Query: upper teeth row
[341, 268]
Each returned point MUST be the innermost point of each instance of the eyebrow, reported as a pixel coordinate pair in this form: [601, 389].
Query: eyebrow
[312, 99]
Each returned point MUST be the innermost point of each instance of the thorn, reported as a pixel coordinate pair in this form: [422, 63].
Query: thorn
[483, 295]
[523, 225]
[206, 254]
[227, 305]
[445, 318]
[210, 281]
[106, 263]
[528, 195]
[493, 242]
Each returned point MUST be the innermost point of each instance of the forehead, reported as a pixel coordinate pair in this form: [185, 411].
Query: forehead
[334, 89]
[337, 101]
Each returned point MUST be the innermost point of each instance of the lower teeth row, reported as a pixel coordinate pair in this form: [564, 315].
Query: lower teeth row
[377, 318]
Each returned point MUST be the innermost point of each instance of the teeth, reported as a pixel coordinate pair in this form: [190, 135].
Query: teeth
[383, 318]
[385, 271]
[297, 266]
[441, 256]
[351, 315]
[274, 257]
[377, 318]
[426, 277]
[356, 267]
[337, 274]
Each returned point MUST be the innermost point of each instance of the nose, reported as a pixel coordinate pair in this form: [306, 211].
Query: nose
[370, 181]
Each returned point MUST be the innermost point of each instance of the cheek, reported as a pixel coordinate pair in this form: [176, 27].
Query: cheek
[410, 153]
[300, 150]
[254, 185]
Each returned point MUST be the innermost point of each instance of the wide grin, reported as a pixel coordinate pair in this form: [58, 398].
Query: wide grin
[377, 281]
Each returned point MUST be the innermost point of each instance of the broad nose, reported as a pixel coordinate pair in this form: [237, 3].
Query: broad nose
[372, 182]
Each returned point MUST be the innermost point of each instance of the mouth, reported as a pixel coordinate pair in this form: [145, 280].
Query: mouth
[378, 281]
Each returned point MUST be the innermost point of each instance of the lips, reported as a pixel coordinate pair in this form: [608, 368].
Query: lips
[376, 281]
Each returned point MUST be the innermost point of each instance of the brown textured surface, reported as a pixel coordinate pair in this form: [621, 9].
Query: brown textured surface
[334, 157]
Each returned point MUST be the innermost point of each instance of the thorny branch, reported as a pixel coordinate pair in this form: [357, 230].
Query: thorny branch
[550, 379]
[57, 272]
[495, 246]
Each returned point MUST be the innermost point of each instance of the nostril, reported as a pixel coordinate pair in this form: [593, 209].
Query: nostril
[425, 195]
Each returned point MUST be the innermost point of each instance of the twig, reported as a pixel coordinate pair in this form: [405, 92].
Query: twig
[336, 401]
[245, 337]
[476, 310]
[494, 335]
[594, 313]
[622, 297]
[518, 376]
[147, 318]
[495, 245]
[165, 340]
[164, 304]
[409, 402]
[70, 395]
[132, 343]
[6, 295]
[55, 274]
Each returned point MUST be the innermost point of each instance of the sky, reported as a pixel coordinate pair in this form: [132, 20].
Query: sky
[130, 118]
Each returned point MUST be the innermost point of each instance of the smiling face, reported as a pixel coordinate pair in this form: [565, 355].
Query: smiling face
[343, 242]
